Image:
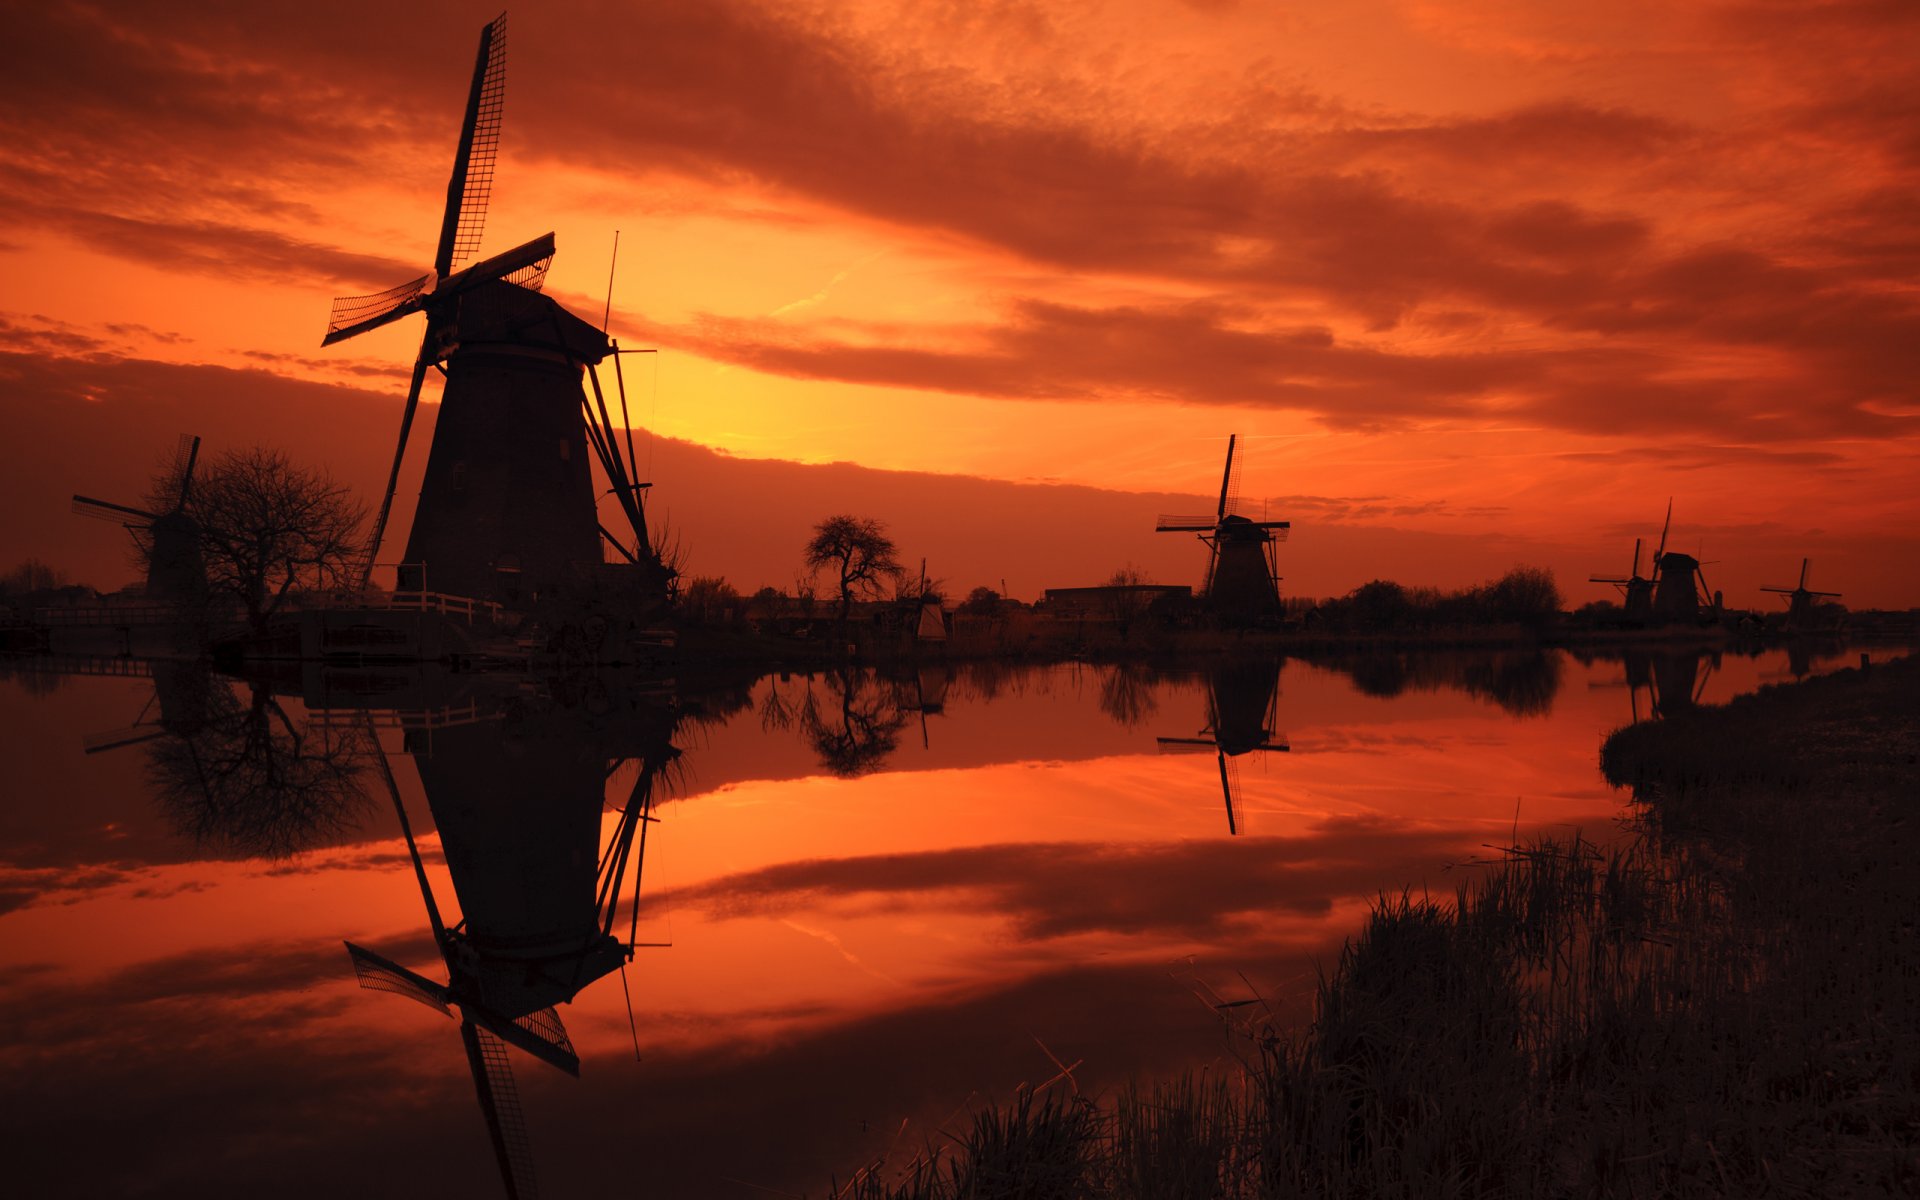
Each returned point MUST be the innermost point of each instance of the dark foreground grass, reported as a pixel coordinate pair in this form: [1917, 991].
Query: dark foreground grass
[1725, 1003]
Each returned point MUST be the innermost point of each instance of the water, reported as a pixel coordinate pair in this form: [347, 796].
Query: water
[866, 903]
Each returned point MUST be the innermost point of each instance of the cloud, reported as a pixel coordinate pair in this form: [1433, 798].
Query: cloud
[1047, 890]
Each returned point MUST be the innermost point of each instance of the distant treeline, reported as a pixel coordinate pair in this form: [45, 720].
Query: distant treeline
[1524, 596]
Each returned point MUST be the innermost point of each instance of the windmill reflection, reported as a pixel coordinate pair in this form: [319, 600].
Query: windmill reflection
[1672, 682]
[517, 791]
[1243, 700]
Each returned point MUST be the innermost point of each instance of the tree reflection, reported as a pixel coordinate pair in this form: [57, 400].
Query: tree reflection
[1127, 694]
[242, 778]
[1523, 682]
[851, 718]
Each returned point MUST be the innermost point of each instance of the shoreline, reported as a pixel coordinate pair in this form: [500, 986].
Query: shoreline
[1726, 1004]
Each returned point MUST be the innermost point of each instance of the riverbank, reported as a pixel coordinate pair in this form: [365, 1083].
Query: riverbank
[1726, 1002]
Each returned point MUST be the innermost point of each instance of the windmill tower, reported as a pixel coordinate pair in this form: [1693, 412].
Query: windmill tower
[519, 823]
[1802, 606]
[176, 573]
[507, 508]
[1242, 581]
[1243, 700]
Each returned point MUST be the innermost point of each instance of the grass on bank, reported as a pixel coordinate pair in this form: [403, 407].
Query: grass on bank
[1725, 1003]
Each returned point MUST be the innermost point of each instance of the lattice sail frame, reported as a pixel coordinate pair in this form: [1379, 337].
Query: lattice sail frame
[485, 148]
[349, 311]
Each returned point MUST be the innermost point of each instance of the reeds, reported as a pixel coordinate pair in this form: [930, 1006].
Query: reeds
[1727, 1002]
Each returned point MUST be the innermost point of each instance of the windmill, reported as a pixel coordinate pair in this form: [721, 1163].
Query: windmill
[1678, 583]
[1801, 606]
[507, 509]
[1637, 591]
[1242, 580]
[519, 814]
[1243, 700]
[176, 573]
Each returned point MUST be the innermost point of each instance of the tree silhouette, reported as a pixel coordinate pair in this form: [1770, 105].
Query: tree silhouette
[860, 553]
[267, 528]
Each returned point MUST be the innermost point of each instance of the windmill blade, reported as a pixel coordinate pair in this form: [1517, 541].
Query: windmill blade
[1636, 560]
[186, 472]
[1186, 745]
[472, 181]
[352, 316]
[1226, 476]
[377, 973]
[1184, 524]
[1784, 591]
[399, 452]
[1662, 551]
[102, 510]
[114, 739]
[539, 1034]
[525, 266]
[1226, 789]
[1804, 564]
[1613, 579]
[500, 1104]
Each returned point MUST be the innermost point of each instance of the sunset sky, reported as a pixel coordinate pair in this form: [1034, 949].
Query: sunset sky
[1477, 283]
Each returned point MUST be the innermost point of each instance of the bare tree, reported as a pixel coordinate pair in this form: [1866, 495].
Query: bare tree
[859, 551]
[268, 528]
[1124, 601]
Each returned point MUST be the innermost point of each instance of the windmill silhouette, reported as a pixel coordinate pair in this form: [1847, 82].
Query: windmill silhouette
[1242, 580]
[1802, 611]
[507, 509]
[529, 938]
[1243, 701]
[176, 572]
[1636, 590]
[1678, 584]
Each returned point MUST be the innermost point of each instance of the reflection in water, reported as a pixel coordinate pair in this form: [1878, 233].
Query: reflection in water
[517, 789]
[1523, 681]
[852, 718]
[239, 776]
[1242, 703]
[902, 933]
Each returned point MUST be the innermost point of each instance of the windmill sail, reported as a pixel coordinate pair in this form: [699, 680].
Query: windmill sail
[471, 184]
[500, 1102]
[377, 973]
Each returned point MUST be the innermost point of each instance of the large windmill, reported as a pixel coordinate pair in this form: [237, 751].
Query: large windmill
[1679, 586]
[1242, 581]
[176, 572]
[1802, 606]
[1243, 701]
[507, 507]
[538, 923]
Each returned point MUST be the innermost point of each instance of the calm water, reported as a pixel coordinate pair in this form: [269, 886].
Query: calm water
[865, 903]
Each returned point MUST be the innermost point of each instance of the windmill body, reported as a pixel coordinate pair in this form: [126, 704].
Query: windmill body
[1242, 582]
[507, 508]
[1676, 598]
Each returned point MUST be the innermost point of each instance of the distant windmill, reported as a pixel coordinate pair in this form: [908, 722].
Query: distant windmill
[1637, 591]
[1242, 709]
[176, 572]
[1242, 572]
[507, 506]
[1800, 600]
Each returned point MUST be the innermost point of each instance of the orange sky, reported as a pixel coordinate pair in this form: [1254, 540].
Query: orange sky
[1477, 283]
